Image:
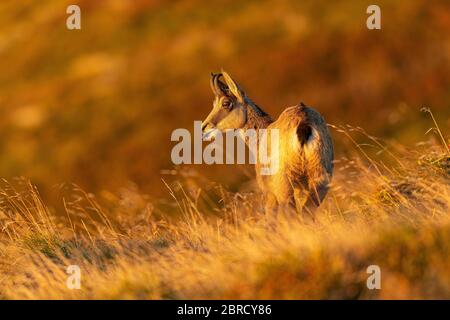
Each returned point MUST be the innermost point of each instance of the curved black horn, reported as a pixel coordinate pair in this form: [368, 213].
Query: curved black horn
[213, 84]
[217, 86]
[220, 87]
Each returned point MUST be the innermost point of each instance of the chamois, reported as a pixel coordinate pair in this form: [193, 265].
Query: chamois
[305, 163]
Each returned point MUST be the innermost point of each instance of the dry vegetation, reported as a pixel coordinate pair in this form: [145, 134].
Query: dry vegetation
[96, 107]
[392, 215]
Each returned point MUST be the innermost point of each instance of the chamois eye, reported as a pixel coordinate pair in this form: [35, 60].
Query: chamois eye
[227, 104]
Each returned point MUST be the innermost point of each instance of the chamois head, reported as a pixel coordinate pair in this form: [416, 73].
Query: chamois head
[229, 107]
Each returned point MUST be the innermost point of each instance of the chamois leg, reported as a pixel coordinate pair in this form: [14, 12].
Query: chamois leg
[313, 200]
[304, 206]
[271, 204]
[287, 207]
[317, 194]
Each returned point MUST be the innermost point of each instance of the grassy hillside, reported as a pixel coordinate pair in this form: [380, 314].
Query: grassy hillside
[85, 163]
[393, 216]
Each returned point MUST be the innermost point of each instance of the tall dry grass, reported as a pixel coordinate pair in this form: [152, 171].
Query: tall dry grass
[394, 214]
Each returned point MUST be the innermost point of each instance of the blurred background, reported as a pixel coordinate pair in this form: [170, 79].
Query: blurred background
[97, 106]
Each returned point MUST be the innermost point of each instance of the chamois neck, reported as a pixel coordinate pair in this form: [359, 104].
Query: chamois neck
[256, 117]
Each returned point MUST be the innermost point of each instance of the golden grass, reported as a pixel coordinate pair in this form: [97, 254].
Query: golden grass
[393, 215]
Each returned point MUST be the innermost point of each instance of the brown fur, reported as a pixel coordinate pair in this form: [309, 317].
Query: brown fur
[305, 167]
[305, 147]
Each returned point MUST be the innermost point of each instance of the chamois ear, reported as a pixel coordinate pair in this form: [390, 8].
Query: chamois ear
[233, 86]
[304, 132]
